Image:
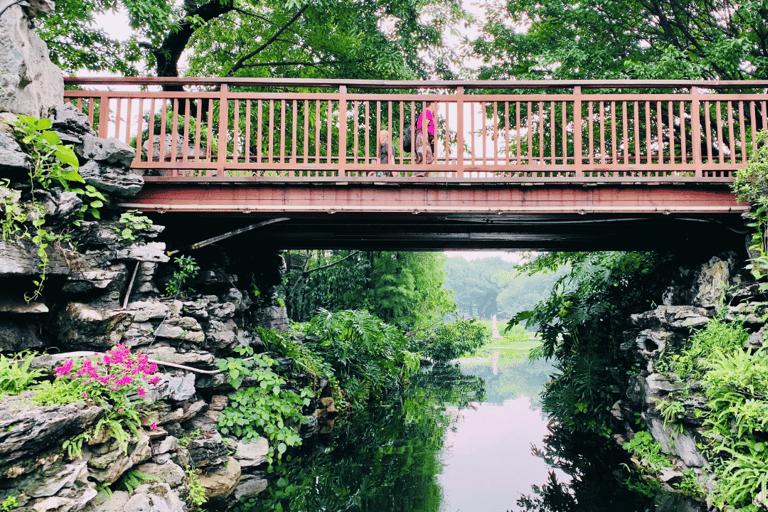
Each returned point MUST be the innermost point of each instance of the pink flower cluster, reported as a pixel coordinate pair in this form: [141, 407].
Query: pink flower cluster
[117, 369]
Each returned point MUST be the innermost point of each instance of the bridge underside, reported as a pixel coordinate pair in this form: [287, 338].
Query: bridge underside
[390, 214]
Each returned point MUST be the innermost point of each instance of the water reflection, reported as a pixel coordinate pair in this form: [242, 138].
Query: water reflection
[383, 458]
[460, 440]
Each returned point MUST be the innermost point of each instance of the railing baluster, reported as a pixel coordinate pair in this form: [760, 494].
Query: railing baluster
[198, 127]
[163, 130]
[602, 133]
[613, 134]
[247, 143]
[720, 142]
[683, 149]
[636, 111]
[731, 134]
[209, 144]
[175, 129]
[329, 120]
[530, 133]
[753, 117]
[139, 134]
[495, 133]
[368, 133]
[707, 121]
[590, 123]
[118, 115]
[518, 157]
[578, 150]
[671, 131]
[472, 131]
[541, 133]
[223, 131]
[696, 131]
[742, 133]
[294, 137]
[648, 141]
[271, 131]
[151, 134]
[506, 131]
[460, 132]
[306, 132]
[355, 135]
[564, 134]
[282, 135]
[259, 129]
[317, 132]
[625, 132]
[185, 139]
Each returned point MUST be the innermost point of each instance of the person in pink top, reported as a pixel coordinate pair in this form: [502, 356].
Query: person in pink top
[430, 115]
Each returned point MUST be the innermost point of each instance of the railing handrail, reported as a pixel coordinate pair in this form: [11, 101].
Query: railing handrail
[421, 84]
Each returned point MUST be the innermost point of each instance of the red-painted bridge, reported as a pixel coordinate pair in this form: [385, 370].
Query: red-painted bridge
[518, 164]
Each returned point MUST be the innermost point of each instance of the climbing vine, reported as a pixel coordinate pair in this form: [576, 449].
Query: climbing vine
[22, 214]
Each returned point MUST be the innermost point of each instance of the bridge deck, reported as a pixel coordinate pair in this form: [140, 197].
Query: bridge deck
[515, 155]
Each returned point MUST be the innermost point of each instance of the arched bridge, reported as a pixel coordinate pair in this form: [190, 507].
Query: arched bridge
[518, 164]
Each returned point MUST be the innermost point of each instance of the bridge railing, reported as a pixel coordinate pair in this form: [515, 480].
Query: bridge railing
[245, 129]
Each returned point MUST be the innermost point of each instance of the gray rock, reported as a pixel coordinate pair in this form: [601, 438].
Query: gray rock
[685, 448]
[110, 179]
[183, 328]
[54, 504]
[16, 336]
[141, 502]
[712, 282]
[21, 307]
[178, 387]
[663, 435]
[220, 334]
[29, 82]
[115, 504]
[27, 432]
[207, 451]
[111, 466]
[163, 413]
[67, 118]
[196, 358]
[149, 310]
[164, 491]
[272, 318]
[170, 473]
[83, 326]
[168, 444]
[20, 259]
[54, 478]
[14, 164]
[252, 454]
[222, 481]
[170, 147]
[110, 150]
[674, 318]
[153, 252]
[662, 385]
[249, 486]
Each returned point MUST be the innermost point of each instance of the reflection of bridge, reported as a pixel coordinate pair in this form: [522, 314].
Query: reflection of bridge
[519, 164]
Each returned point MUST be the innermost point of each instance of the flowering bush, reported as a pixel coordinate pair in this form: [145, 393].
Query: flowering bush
[116, 381]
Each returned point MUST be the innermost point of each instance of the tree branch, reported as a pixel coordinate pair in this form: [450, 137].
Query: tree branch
[299, 63]
[241, 62]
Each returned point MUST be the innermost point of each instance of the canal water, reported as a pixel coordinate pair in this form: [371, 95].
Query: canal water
[469, 437]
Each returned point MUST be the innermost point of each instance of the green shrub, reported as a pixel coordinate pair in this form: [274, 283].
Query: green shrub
[263, 408]
[451, 340]
[15, 375]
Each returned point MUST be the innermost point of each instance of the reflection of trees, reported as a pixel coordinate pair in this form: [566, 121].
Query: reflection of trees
[599, 480]
[524, 379]
[384, 457]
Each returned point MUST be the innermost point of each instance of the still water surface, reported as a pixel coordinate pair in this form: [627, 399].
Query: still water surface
[464, 438]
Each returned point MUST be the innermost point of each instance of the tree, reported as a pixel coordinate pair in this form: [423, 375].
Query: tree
[644, 39]
[402, 288]
[290, 38]
[476, 284]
